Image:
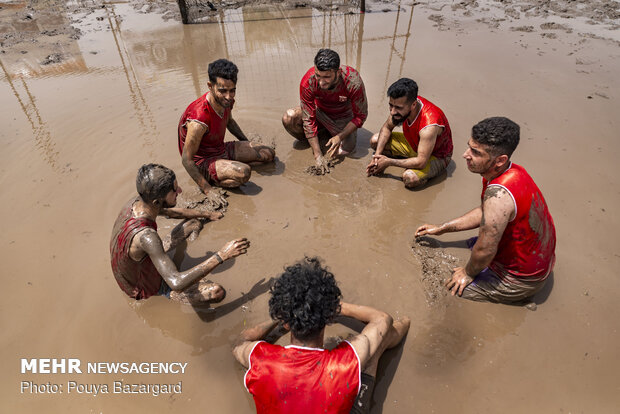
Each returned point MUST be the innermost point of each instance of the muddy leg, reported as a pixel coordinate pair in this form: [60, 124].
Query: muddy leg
[253, 152]
[181, 232]
[200, 293]
[293, 123]
[232, 174]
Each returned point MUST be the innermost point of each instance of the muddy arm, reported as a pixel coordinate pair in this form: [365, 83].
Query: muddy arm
[195, 132]
[428, 137]
[151, 243]
[247, 339]
[498, 209]
[377, 326]
[233, 128]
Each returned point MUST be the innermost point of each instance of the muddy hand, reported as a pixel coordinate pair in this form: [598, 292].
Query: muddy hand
[333, 144]
[459, 281]
[428, 230]
[322, 165]
[214, 215]
[234, 248]
[216, 199]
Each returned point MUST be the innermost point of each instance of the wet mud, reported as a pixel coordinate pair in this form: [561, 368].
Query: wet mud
[436, 268]
[76, 130]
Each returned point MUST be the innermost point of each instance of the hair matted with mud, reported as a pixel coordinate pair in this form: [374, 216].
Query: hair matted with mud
[327, 59]
[154, 181]
[305, 297]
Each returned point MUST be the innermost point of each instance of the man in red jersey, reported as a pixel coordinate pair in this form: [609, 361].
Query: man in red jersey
[515, 248]
[304, 377]
[206, 157]
[140, 264]
[333, 102]
[424, 148]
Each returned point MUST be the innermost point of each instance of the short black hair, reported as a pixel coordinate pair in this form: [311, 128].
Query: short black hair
[154, 182]
[327, 59]
[305, 297]
[223, 68]
[499, 134]
[403, 87]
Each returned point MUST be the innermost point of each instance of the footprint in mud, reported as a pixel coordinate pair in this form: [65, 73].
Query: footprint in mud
[437, 267]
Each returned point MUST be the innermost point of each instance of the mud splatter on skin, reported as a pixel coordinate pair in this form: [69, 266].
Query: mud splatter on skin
[437, 267]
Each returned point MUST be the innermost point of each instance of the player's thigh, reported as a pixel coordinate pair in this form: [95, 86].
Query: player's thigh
[247, 151]
[229, 169]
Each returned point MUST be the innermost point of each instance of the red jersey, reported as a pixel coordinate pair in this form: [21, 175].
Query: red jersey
[296, 379]
[212, 143]
[346, 101]
[527, 247]
[429, 114]
[139, 280]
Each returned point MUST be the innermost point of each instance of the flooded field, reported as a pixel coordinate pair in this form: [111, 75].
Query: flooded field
[80, 115]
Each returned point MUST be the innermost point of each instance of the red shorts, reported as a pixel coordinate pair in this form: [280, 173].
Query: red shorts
[207, 165]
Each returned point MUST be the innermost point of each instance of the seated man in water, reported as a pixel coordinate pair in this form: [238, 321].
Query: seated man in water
[515, 248]
[424, 148]
[304, 377]
[333, 101]
[140, 264]
[206, 157]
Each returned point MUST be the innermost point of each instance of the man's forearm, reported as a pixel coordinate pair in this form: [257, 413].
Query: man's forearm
[384, 136]
[316, 148]
[257, 332]
[362, 313]
[467, 221]
[348, 130]
[234, 129]
[194, 172]
[480, 258]
[417, 163]
[181, 213]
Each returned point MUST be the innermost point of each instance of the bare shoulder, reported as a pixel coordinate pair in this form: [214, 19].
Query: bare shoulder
[148, 240]
[496, 191]
[361, 345]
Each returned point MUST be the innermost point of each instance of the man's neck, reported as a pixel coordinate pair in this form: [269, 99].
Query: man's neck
[145, 210]
[216, 106]
[309, 343]
[414, 112]
[494, 173]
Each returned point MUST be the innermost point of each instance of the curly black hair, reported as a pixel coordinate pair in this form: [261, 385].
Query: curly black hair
[305, 297]
[224, 69]
[327, 59]
[403, 87]
[154, 181]
[499, 134]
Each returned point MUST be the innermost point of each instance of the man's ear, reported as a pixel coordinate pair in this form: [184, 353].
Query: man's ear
[501, 161]
[209, 85]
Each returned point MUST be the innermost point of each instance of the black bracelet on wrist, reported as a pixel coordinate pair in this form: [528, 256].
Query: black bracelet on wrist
[219, 258]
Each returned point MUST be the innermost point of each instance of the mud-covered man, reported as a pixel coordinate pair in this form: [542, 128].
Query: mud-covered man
[333, 103]
[140, 264]
[424, 148]
[303, 377]
[206, 157]
[514, 252]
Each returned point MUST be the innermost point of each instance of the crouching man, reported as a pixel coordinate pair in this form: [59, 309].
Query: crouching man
[140, 264]
[303, 377]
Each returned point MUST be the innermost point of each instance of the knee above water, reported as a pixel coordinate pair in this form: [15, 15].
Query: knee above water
[410, 179]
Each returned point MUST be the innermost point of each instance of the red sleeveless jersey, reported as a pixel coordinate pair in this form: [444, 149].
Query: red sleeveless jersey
[139, 280]
[527, 247]
[430, 114]
[347, 100]
[295, 379]
[212, 143]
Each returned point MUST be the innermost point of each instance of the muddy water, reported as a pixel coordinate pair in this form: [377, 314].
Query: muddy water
[74, 136]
